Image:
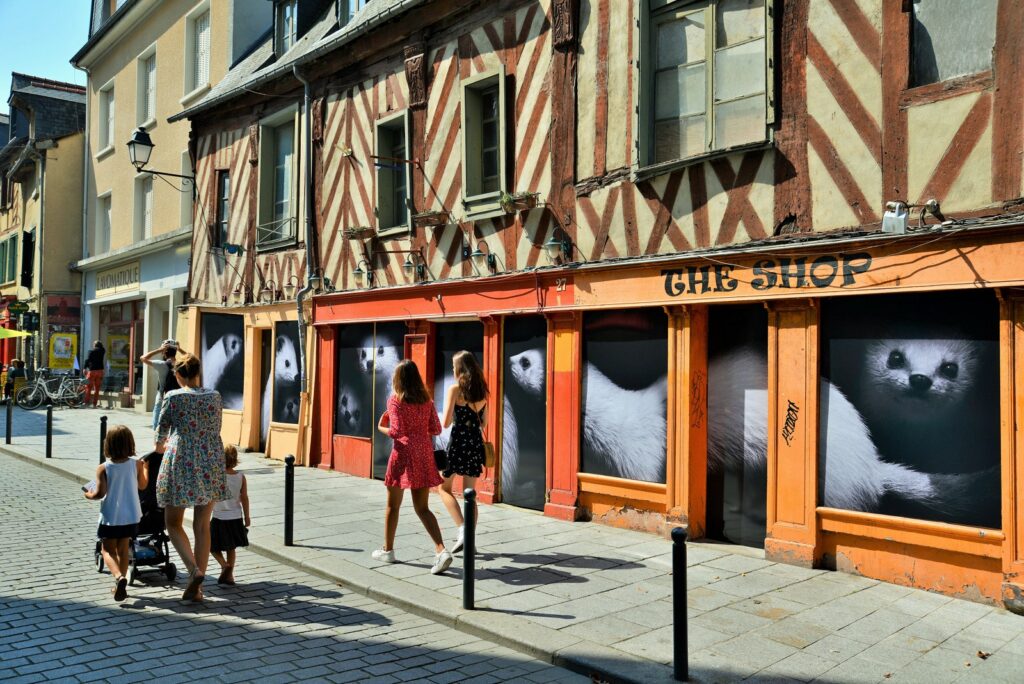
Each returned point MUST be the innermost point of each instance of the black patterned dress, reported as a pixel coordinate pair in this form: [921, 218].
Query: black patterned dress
[466, 444]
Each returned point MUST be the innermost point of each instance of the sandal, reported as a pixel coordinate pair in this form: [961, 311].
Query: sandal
[121, 589]
[195, 582]
[226, 577]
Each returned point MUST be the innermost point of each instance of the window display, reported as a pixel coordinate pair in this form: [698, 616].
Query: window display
[223, 357]
[524, 436]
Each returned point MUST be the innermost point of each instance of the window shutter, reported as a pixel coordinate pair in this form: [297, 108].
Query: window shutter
[147, 208]
[201, 63]
[150, 87]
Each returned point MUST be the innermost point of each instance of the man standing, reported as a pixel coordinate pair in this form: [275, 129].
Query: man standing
[167, 352]
[95, 366]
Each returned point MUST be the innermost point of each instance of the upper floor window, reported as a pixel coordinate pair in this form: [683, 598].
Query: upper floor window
[705, 81]
[483, 125]
[147, 89]
[197, 50]
[278, 181]
[287, 25]
[11, 269]
[101, 237]
[106, 119]
[28, 258]
[220, 230]
[143, 227]
[392, 173]
[951, 38]
[348, 9]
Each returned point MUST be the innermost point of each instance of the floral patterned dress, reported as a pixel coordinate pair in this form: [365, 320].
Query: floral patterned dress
[192, 472]
[411, 465]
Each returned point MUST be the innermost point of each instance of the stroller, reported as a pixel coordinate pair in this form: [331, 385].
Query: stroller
[150, 549]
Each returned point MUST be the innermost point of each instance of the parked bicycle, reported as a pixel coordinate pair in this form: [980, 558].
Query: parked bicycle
[61, 390]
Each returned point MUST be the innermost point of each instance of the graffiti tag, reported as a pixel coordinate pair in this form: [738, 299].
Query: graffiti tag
[769, 274]
[789, 428]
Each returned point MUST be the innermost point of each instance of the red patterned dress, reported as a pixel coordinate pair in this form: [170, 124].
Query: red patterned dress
[411, 465]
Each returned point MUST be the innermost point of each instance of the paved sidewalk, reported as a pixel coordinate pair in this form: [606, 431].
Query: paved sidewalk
[598, 599]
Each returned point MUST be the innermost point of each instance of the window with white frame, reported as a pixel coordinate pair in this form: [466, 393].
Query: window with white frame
[392, 173]
[106, 118]
[706, 79]
[278, 181]
[101, 237]
[950, 38]
[146, 108]
[143, 227]
[483, 141]
[197, 49]
[287, 23]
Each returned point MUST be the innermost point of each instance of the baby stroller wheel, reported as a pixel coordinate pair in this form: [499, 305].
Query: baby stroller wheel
[170, 572]
[98, 558]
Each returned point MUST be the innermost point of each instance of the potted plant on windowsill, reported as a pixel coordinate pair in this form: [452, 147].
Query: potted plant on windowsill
[519, 201]
[430, 218]
[359, 232]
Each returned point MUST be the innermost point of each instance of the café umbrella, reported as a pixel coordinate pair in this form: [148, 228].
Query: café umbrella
[5, 333]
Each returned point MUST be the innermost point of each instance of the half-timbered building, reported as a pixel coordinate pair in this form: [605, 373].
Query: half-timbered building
[748, 265]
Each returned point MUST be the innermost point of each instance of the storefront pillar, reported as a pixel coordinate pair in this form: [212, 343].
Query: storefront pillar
[686, 472]
[563, 414]
[492, 364]
[792, 432]
[1012, 401]
[325, 391]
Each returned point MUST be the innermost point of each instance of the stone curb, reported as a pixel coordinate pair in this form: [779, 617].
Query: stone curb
[543, 643]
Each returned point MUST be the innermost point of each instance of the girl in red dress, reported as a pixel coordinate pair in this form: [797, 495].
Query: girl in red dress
[411, 421]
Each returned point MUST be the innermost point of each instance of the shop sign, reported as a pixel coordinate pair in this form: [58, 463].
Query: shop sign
[124, 278]
[769, 274]
[17, 308]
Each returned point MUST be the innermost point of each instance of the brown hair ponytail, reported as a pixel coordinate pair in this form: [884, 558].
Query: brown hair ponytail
[470, 377]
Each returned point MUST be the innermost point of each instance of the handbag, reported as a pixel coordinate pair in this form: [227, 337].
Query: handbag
[440, 457]
[488, 455]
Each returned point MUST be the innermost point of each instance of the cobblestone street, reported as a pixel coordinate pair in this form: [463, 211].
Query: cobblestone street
[58, 621]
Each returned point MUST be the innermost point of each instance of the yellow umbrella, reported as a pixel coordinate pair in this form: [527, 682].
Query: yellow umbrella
[5, 333]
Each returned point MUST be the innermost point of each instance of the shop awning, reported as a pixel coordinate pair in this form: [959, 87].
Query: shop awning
[5, 333]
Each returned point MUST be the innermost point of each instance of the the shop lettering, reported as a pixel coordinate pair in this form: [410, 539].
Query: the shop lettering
[789, 429]
[118, 279]
[768, 274]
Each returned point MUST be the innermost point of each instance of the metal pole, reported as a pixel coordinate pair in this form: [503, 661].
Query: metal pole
[680, 657]
[468, 547]
[103, 436]
[10, 412]
[289, 498]
[49, 430]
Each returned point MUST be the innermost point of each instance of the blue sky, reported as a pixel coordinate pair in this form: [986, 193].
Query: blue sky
[38, 37]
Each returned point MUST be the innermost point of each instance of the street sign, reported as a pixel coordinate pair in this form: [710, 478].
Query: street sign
[17, 308]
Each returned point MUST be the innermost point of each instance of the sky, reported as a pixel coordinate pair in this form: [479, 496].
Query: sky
[38, 37]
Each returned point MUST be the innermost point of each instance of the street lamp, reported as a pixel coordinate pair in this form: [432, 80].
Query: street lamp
[140, 148]
[269, 292]
[361, 276]
[558, 248]
[289, 287]
[481, 259]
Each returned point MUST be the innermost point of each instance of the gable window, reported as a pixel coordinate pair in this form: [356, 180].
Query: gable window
[197, 49]
[146, 110]
[392, 173]
[143, 209]
[106, 119]
[483, 140]
[278, 181]
[101, 236]
[347, 9]
[706, 82]
[220, 230]
[287, 25]
[950, 38]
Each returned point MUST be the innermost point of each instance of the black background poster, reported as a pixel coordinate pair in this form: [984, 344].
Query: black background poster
[524, 435]
[353, 415]
[451, 339]
[223, 357]
[910, 414]
[387, 350]
[625, 368]
[286, 383]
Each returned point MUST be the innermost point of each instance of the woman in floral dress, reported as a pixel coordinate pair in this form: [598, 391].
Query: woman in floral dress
[192, 473]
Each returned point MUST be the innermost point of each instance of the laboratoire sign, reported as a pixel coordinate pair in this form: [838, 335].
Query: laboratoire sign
[123, 278]
[820, 272]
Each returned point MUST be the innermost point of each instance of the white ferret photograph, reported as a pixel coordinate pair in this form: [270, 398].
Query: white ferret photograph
[223, 357]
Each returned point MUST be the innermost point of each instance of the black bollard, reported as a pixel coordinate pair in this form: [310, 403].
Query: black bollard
[289, 498]
[680, 658]
[10, 412]
[103, 436]
[468, 547]
[49, 429]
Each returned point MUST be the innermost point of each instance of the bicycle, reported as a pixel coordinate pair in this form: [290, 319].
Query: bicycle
[61, 390]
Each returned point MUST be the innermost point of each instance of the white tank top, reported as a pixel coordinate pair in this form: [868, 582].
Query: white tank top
[232, 508]
[121, 504]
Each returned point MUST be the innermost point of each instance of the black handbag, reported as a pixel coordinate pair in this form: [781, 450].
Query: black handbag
[441, 458]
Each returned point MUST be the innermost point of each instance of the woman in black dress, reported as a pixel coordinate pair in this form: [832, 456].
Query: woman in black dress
[465, 410]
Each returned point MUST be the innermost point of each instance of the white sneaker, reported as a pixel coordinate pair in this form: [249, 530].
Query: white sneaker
[460, 540]
[384, 556]
[441, 562]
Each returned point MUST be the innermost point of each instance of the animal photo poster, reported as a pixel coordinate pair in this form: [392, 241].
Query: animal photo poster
[910, 406]
[737, 423]
[378, 358]
[451, 339]
[625, 371]
[223, 357]
[353, 414]
[523, 445]
[283, 406]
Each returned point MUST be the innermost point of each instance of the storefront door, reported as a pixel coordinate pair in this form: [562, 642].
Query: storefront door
[451, 339]
[524, 388]
[266, 345]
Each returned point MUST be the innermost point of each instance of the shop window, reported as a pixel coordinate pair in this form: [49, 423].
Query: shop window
[287, 21]
[278, 182]
[101, 236]
[524, 436]
[284, 404]
[197, 49]
[625, 373]
[223, 357]
[909, 414]
[220, 230]
[483, 140]
[146, 104]
[706, 84]
[28, 258]
[106, 120]
[392, 174]
[951, 38]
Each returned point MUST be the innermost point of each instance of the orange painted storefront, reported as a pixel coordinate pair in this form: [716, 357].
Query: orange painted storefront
[792, 282]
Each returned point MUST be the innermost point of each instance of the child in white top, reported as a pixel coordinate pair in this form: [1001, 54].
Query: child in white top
[227, 531]
[118, 481]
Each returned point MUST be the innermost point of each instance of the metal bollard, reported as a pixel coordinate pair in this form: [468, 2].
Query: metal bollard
[468, 547]
[103, 436]
[289, 498]
[680, 658]
[10, 412]
[49, 430]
